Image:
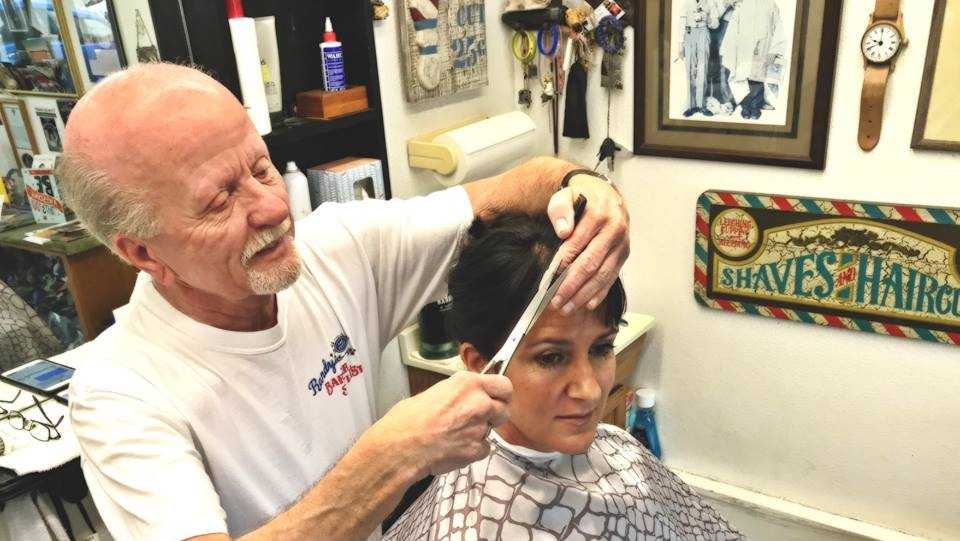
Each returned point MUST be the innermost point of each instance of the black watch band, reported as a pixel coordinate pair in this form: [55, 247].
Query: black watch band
[565, 183]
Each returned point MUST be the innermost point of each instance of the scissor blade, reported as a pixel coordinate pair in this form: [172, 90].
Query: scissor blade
[549, 284]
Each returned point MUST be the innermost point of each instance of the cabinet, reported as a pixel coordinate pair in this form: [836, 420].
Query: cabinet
[200, 34]
[99, 281]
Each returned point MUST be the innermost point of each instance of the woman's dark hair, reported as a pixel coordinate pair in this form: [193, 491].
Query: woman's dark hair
[497, 275]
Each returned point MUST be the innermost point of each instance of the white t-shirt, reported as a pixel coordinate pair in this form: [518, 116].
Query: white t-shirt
[186, 429]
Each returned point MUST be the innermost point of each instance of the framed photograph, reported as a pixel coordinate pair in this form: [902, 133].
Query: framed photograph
[19, 132]
[443, 47]
[35, 49]
[735, 80]
[96, 22]
[937, 126]
[51, 132]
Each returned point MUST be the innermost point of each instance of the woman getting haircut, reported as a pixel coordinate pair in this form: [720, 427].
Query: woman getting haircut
[553, 471]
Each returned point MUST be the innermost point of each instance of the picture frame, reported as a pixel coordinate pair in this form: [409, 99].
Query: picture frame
[710, 84]
[38, 51]
[937, 112]
[16, 122]
[99, 36]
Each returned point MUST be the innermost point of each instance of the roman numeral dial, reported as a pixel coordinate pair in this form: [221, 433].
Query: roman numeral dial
[881, 43]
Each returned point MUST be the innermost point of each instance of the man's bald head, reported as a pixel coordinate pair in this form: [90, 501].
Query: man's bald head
[148, 110]
[135, 130]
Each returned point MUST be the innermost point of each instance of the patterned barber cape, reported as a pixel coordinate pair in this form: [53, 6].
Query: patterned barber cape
[617, 490]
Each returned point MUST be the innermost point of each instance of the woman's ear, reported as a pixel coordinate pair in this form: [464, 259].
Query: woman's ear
[472, 358]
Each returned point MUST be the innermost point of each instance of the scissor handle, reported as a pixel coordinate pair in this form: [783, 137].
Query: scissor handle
[579, 206]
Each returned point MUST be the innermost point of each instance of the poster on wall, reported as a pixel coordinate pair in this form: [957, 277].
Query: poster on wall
[743, 81]
[443, 47]
[42, 191]
[880, 268]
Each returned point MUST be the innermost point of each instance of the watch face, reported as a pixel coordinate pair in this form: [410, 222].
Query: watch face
[880, 43]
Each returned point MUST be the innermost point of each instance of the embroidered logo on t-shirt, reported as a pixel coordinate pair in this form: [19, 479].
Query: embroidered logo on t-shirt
[336, 368]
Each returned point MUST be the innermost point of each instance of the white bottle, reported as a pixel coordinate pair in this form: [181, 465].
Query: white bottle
[297, 191]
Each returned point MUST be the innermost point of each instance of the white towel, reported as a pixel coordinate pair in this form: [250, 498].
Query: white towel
[26, 455]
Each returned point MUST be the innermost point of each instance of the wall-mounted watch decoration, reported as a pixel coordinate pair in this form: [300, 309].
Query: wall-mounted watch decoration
[881, 44]
[938, 112]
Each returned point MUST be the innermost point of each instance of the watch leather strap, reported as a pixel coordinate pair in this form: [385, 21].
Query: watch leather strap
[871, 104]
[887, 10]
[565, 183]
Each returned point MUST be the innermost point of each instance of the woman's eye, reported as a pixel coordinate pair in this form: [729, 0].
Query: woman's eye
[601, 350]
[263, 174]
[550, 359]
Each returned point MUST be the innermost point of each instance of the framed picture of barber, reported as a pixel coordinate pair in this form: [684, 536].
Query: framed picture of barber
[735, 80]
[731, 59]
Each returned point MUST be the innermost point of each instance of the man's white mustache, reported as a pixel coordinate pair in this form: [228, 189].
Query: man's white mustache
[263, 239]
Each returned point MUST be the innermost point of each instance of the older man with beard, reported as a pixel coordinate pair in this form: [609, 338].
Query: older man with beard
[235, 394]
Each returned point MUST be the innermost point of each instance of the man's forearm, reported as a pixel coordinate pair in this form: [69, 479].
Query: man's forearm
[349, 502]
[524, 189]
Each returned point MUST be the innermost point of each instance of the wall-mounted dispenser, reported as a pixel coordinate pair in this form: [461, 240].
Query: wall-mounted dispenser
[475, 148]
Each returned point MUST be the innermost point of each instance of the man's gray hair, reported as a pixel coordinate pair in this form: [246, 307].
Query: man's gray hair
[103, 205]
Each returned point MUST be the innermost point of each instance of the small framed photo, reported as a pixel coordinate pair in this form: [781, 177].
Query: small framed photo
[735, 80]
[51, 132]
[99, 37]
[936, 126]
[37, 50]
[16, 121]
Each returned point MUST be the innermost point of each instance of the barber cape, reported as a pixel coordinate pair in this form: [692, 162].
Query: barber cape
[616, 490]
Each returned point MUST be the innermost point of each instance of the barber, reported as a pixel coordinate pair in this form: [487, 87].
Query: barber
[234, 396]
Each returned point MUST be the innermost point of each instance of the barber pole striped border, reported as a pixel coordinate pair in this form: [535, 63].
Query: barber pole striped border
[826, 208]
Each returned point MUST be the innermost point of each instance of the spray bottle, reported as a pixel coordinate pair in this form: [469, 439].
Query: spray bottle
[642, 422]
[334, 77]
[297, 191]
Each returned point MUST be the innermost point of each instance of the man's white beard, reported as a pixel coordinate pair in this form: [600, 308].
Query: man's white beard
[278, 278]
[275, 280]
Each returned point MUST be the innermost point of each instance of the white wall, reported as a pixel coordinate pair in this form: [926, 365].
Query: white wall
[859, 425]
[405, 120]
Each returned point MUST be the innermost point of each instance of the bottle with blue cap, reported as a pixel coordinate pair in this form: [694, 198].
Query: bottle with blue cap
[642, 422]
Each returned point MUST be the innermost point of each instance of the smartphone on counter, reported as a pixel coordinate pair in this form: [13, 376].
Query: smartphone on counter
[42, 376]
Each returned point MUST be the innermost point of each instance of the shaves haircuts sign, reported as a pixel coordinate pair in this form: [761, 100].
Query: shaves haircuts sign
[880, 268]
[443, 45]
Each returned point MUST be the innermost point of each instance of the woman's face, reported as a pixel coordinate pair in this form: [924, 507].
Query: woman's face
[562, 373]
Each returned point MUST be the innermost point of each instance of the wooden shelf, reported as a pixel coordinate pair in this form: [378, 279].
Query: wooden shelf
[201, 35]
[297, 129]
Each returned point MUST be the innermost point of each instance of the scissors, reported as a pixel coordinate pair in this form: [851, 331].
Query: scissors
[549, 284]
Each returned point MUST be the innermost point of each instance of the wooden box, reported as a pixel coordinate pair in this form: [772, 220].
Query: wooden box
[323, 105]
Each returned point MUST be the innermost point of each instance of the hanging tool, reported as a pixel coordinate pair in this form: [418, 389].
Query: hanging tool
[548, 77]
[525, 50]
[610, 37]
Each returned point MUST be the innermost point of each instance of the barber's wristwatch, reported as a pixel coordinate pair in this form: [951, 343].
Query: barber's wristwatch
[565, 183]
[880, 45]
